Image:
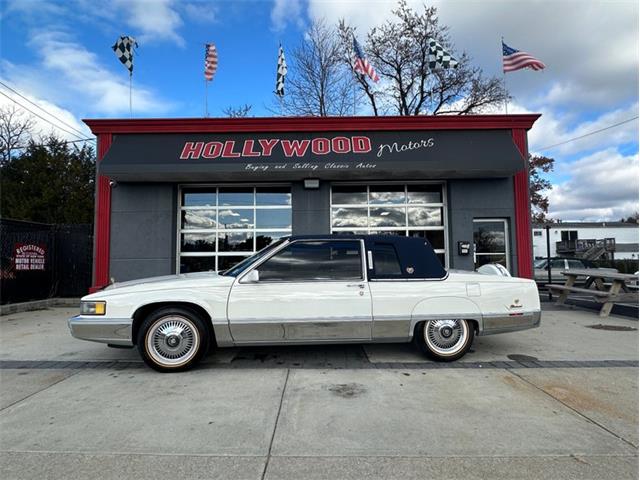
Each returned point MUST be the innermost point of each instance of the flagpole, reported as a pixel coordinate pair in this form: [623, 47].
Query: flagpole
[504, 82]
[206, 98]
[130, 94]
[354, 99]
[506, 94]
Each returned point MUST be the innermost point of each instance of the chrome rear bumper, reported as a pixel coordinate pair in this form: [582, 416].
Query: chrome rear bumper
[116, 331]
[509, 323]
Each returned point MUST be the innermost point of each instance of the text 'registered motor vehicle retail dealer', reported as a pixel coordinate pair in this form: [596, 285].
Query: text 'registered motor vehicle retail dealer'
[186, 195]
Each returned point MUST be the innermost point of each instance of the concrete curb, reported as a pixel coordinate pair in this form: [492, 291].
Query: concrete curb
[38, 305]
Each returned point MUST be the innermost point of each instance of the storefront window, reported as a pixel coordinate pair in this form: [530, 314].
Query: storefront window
[490, 242]
[222, 226]
[415, 210]
[349, 195]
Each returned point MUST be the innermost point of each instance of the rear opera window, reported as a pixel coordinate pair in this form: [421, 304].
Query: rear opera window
[385, 260]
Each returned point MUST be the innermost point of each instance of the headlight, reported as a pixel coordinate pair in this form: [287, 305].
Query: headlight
[93, 308]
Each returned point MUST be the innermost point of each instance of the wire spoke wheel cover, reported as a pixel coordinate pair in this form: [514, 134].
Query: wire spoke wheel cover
[446, 337]
[172, 341]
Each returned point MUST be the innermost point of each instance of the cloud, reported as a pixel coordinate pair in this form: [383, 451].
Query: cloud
[69, 74]
[603, 186]
[152, 20]
[591, 52]
[285, 12]
[201, 12]
[49, 111]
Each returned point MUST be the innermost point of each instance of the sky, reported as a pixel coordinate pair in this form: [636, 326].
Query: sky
[57, 54]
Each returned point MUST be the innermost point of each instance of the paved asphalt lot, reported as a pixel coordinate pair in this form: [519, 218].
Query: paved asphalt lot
[559, 402]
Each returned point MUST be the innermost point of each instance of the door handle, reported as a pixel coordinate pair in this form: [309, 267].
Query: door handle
[355, 285]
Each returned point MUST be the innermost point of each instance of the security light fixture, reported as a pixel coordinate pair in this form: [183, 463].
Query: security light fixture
[311, 183]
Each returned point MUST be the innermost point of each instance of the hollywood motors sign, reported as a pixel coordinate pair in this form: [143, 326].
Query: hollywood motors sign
[263, 147]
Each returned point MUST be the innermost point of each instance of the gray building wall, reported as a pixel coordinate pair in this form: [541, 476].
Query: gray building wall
[310, 209]
[143, 230]
[144, 221]
[479, 198]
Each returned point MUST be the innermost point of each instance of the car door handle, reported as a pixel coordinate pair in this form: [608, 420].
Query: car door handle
[355, 285]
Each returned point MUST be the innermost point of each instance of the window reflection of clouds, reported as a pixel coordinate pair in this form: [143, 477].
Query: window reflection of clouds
[238, 211]
[198, 242]
[350, 217]
[235, 218]
[424, 216]
[424, 194]
[348, 195]
[387, 194]
[192, 219]
[387, 217]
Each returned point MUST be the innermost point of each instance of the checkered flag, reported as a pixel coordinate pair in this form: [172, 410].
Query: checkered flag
[124, 51]
[439, 56]
[281, 73]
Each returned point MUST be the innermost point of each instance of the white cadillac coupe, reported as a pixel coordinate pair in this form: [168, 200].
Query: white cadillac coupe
[310, 289]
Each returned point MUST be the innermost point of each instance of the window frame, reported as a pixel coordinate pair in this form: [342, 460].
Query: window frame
[256, 266]
[255, 231]
[406, 229]
[507, 241]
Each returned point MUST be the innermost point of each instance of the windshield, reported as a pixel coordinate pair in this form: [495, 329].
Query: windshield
[239, 268]
[540, 263]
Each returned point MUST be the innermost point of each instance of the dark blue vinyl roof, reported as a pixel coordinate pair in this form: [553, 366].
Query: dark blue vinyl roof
[416, 255]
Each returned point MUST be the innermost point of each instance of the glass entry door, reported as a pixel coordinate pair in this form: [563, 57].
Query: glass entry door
[490, 242]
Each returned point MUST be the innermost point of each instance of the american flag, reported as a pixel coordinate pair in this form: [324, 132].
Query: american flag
[210, 61]
[513, 60]
[362, 65]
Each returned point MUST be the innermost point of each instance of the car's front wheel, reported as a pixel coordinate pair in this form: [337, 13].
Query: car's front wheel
[444, 339]
[172, 339]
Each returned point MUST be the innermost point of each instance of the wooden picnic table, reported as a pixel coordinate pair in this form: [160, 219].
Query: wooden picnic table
[601, 293]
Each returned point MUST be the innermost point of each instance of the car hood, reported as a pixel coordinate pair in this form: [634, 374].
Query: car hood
[165, 282]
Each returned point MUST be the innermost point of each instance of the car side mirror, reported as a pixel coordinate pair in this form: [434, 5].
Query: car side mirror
[252, 277]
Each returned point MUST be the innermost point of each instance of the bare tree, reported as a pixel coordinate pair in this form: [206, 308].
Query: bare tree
[237, 112]
[399, 51]
[16, 129]
[319, 83]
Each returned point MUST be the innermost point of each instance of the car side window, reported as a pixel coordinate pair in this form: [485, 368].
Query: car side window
[575, 264]
[314, 260]
[557, 263]
[385, 260]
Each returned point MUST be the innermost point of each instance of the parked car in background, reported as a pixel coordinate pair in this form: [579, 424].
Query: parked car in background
[559, 265]
[306, 290]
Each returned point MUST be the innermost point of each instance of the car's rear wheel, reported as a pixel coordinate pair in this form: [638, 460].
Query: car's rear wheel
[172, 339]
[444, 339]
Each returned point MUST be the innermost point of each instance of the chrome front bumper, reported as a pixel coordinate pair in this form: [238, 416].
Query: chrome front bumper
[115, 331]
[509, 323]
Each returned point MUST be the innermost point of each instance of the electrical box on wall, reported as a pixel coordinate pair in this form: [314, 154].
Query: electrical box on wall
[464, 248]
